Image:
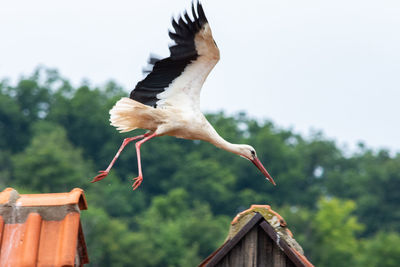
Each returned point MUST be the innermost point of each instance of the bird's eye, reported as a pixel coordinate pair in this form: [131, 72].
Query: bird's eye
[253, 153]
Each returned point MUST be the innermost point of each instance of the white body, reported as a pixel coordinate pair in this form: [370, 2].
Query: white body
[128, 114]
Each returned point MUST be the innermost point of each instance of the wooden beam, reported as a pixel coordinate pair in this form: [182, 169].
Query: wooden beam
[282, 244]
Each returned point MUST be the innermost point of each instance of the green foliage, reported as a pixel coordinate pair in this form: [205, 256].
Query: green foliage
[85, 117]
[335, 232]
[343, 209]
[50, 163]
[329, 234]
[116, 198]
[110, 243]
[5, 168]
[177, 232]
[207, 179]
[382, 250]
[12, 121]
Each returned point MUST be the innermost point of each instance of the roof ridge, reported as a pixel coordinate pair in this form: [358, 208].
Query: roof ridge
[272, 217]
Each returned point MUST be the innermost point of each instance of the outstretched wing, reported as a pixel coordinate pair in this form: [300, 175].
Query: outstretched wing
[177, 79]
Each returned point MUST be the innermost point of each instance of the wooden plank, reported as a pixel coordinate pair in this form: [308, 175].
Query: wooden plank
[279, 257]
[264, 249]
[235, 256]
[228, 246]
[225, 262]
[238, 254]
[287, 250]
[249, 248]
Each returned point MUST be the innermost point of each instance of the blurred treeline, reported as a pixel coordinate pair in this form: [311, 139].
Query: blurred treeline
[343, 209]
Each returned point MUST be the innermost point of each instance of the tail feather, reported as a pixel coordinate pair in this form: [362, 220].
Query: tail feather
[122, 115]
[128, 114]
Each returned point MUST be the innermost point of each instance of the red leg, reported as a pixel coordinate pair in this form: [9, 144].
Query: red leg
[138, 180]
[103, 174]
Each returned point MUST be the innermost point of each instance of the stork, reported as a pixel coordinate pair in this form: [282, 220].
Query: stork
[167, 100]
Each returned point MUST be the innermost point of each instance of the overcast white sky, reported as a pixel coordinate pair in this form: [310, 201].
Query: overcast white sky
[328, 65]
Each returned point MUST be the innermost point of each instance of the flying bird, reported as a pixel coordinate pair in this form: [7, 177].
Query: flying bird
[167, 100]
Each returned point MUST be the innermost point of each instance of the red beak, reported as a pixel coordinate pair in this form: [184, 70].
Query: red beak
[259, 165]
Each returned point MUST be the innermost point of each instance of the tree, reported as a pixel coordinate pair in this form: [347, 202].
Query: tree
[14, 126]
[116, 198]
[371, 179]
[176, 231]
[334, 234]
[382, 250]
[85, 117]
[109, 241]
[206, 180]
[50, 163]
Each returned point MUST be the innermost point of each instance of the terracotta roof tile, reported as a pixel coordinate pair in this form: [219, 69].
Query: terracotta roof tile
[76, 196]
[42, 229]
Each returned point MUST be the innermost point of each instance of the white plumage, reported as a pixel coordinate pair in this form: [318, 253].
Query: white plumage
[167, 101]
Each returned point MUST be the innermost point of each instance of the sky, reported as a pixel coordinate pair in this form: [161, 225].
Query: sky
[307, 65]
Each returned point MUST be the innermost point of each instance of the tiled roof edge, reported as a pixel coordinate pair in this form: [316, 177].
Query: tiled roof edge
[10, 196]
[18, 214]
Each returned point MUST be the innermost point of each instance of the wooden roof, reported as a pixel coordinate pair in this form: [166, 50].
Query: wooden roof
[249, 242]
[42, 229]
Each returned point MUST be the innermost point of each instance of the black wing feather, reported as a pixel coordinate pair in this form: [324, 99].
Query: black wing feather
[164, 71]
[150, 63]
[189, 22]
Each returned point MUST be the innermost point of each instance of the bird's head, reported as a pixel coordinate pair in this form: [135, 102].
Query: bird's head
[249, 153]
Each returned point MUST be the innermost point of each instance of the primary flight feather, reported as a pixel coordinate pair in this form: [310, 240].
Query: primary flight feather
[167, 100]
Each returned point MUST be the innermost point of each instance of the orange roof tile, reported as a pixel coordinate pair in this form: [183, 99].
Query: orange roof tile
[76, 196]
[42, 229]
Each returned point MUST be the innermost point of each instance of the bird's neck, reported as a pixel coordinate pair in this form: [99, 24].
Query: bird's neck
[220, 142]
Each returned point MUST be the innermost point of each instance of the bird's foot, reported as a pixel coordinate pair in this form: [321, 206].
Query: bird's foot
[138, 180]
[101, 176]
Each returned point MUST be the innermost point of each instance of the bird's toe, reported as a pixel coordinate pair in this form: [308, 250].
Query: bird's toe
[138, 180]
[101, 176]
